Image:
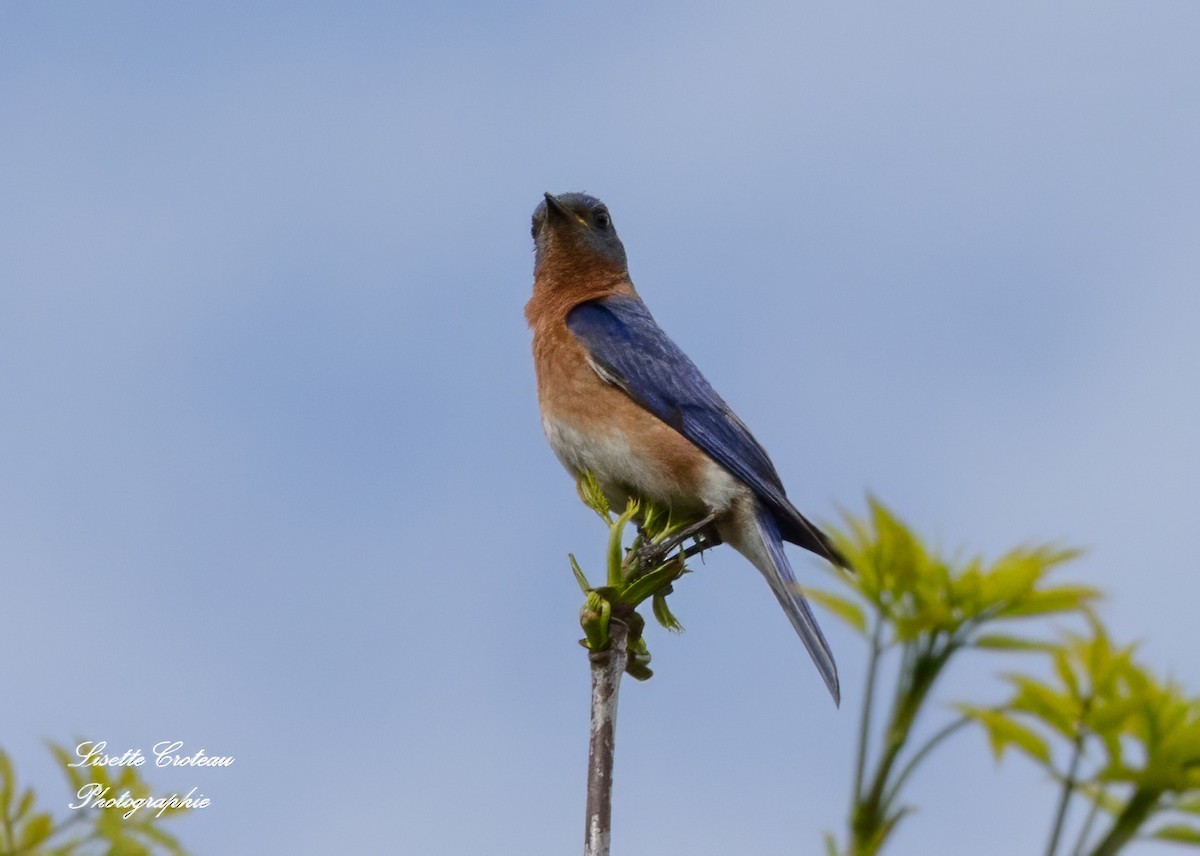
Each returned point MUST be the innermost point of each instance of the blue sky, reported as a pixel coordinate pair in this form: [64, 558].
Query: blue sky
[273, 481]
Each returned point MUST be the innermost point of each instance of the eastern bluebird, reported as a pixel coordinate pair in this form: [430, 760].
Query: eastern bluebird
[621, 400]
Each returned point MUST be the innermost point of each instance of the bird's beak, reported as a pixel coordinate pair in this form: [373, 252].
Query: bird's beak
[556, 209]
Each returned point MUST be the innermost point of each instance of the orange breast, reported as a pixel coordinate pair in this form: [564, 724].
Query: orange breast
[593, 425]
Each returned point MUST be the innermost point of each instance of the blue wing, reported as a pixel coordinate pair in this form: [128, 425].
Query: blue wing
[633, 352]
[623, 339]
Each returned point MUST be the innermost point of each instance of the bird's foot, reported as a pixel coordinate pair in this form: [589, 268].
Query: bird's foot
[704, 541]
[702, 530]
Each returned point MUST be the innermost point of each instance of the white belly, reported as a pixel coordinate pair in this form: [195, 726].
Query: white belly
[622, 472]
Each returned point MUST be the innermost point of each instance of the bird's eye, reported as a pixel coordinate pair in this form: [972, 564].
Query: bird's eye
[601, 218]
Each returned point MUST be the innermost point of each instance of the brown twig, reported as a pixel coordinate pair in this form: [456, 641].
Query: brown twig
[607, 668]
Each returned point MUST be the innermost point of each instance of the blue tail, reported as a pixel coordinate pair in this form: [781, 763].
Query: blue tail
[783, 582]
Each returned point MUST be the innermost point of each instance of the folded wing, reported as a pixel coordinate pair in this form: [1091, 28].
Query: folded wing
[629, 349]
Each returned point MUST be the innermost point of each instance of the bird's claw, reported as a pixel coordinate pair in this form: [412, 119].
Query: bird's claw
[653, 555]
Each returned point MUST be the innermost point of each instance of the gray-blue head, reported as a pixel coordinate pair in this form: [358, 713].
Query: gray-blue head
[576, 230]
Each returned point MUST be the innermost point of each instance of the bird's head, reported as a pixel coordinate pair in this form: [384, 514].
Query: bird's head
[575, 231]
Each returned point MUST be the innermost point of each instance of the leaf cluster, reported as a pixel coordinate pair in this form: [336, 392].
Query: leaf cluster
[920, 609]
[1130, 742]
[919, 594]
[644, 570]
[25, 830]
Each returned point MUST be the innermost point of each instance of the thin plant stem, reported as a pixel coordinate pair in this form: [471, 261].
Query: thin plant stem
[908, 655]
[864, 724]
[1129, 821]
[919, 672]
[1090, 821]
[1064, 800]
[607, 668]
[894, 789]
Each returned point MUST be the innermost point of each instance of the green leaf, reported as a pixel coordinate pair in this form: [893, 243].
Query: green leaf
[108, 821]
[1178, 833]
[844, 608]
[582, 580]
[658, 522]
[1011, 578]
[7, 783]
[1053, 708]
[1002, 642]
[889, 824]
[1066, 674]
[1191, 805]
[128, 780]
[74, 774]
[1117, 772]
[128, 847]
[616, 544]
[1098, 792]
[1003, 731]
[637, 666]
[158, 836]
[591, 494]
[663, 614]
[594, 618]
[1110, 718]
[38, 829]
[1065, 598]
[830, 845]
[658, 580]
[25, 804]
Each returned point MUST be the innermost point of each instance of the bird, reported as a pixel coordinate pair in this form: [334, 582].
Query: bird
[620, 400]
